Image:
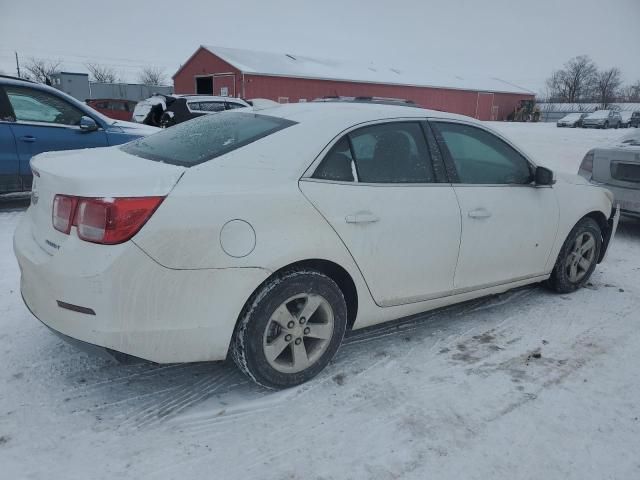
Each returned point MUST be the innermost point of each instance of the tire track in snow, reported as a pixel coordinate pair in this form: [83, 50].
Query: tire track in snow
[160, 409]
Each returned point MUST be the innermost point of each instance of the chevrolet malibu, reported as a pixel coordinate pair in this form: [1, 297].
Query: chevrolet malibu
[264, 236]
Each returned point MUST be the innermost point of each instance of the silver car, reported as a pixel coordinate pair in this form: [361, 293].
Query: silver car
[617, 168]
[571, 120]
[602, 119]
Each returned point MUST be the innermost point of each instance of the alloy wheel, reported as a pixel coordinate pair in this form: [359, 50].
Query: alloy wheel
[581, 257]
[298, 333]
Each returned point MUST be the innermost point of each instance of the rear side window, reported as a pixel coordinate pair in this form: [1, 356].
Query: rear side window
[204, 138]
[206, 106]
[394, 152]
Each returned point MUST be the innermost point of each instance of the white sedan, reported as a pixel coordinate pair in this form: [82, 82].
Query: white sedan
[265, 236]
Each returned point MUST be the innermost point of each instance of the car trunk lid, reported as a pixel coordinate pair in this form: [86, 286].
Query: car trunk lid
[617, 166]
[99, 173]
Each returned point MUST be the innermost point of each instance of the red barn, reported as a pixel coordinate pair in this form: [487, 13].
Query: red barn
[295, 78]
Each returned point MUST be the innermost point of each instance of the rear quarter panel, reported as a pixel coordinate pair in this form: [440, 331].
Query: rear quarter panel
[185, 232]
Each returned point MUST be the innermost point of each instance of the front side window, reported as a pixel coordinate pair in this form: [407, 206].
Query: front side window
[393, 152]
[480, 157]
[206, 137]
[31, 105]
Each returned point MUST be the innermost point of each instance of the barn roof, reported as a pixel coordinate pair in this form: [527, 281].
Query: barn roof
[299, 66]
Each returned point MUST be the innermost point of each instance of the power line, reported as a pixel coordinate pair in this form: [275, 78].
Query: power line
[45, 53]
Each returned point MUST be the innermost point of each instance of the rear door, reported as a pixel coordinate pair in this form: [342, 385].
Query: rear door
[386, 198]
[9, 165]
[508, 224]
[46, 122]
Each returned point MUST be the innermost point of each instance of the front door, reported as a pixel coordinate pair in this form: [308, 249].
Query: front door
[508, 224]
[9, 165]
[377, 189]
[45, 122]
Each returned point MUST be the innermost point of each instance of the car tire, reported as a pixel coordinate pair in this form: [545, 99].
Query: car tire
[290, 329]
[577, 258]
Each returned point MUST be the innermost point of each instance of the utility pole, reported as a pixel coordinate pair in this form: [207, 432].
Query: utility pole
[17, 64]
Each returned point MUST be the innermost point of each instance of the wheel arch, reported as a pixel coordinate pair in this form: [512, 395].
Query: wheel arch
[331, 269]
[605, 225]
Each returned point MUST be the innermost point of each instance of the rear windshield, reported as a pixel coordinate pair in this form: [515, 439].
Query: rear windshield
[204, 138]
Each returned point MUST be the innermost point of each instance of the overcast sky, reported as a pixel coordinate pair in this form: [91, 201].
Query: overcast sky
[517, 40]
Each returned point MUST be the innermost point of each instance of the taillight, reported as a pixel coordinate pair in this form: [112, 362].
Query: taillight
[62, 215]
[587, 162]
[109, 220]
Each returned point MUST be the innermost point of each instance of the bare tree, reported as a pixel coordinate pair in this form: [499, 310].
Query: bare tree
[575, 81]
[40, 70]
[607, 84]
[102, 73]
[631, 93]
[151, 76]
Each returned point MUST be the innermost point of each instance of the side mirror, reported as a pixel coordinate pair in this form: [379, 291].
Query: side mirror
[544, 176]
[88, 124]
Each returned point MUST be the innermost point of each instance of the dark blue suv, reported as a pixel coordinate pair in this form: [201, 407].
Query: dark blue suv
[36, 118]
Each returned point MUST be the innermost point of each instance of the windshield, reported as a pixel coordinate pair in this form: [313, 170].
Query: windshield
[204, 138]
[572, 116]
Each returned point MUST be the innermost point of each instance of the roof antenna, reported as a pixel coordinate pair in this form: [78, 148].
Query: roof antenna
[291, 56]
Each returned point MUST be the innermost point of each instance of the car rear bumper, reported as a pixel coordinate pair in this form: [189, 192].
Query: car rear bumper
[627, 198]
[131, 304]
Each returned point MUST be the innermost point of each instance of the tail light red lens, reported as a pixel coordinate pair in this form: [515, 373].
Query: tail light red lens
[108, 220]
[587, 162]
[63, 209]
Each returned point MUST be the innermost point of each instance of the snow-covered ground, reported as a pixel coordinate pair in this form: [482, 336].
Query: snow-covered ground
[458, 394]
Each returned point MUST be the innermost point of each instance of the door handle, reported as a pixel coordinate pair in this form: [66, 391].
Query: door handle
[479, 213]
[28, 138]
[361, 217]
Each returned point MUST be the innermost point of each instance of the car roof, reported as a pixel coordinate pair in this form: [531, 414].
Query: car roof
[214, 98]
[346, 114]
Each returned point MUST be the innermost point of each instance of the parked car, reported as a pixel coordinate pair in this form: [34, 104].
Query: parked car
[117, 109]
[266, 236]
[36, 118]
[627, 116]
[572, 120]
[168, 110]
[635, 119]
[602, 119]
[617, 167]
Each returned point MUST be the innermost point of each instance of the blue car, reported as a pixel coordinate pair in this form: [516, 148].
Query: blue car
[36, 118]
